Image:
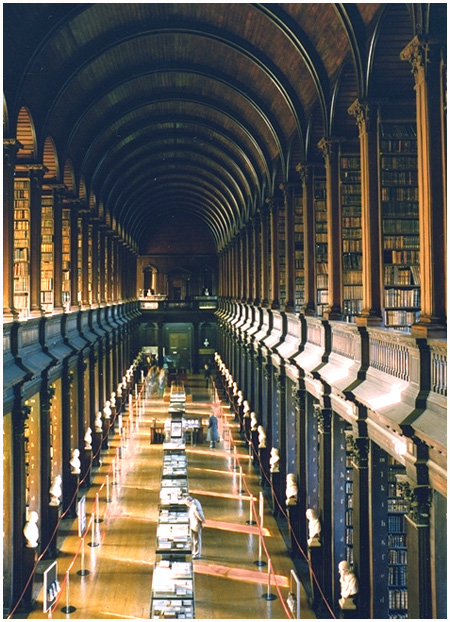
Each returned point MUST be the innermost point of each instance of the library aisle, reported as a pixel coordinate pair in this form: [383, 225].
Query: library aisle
[114, 580]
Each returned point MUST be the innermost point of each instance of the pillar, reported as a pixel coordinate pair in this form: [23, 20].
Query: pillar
[306, 175]
[366, 118]
[288, 193]
[330, 148]
[323, 416]
[426, 60]
[10, 149]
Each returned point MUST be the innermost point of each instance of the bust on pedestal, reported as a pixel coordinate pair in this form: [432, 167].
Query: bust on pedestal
[245, 423]
[31, 534]
[275, 478]
[263, 455]
[87, 456]
[75, 469]
[55, 492]
[349, 586]
[254, 435]
[293, 510]
[314, 528]
[97, 438]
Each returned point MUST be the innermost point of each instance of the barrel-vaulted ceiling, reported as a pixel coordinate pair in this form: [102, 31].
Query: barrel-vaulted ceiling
[188, 108]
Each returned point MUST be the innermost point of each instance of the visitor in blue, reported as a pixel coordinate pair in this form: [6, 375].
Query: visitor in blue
[213, 430]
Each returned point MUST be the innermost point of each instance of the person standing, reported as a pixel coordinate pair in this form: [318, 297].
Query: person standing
[196, 520]
[213, 430]
[207, 370]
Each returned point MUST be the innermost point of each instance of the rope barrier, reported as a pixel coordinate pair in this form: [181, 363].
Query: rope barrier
[254, 452]
[69, 506]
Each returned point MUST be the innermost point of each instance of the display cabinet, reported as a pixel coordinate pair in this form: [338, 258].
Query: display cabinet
[400, 223]
[350, 191]
[172, 593]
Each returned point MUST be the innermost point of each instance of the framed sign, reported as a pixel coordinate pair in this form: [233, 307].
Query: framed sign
[81, 516]
[51, 586]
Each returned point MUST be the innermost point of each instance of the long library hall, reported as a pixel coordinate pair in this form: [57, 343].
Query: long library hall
[225, 310]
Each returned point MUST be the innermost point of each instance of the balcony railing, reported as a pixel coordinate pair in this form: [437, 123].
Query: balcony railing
[160, 302]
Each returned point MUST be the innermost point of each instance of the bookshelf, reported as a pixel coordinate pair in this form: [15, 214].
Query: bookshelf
[397, 508]
[350, 190]
[299, 254]
[321, 244]
[66, 260]
[282, 253]
[400, 223]
[22, 230]
[348, 499]
[47, 253]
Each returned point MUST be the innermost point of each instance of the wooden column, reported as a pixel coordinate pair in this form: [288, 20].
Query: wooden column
[95, 261]
[35, 173]
[109, 267]
[249, 262]
[75, 301]
[306, 175]
[265, 232]
[366, 118]
[301, 462]
[58, 191]
[330, 151]
[361, 523]
[274, 252]
[10, 149]
[323, 416]
[102, 263]
[243, 265]
[418, 542]
[84, 259]
[426, 58]
[288, 193]
[256, 259]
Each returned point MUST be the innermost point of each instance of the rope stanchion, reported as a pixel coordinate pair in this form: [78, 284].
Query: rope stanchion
[93, 541]
[108, 498]
[68, 608]
[268, 595]
[250, 521]
[83, 572]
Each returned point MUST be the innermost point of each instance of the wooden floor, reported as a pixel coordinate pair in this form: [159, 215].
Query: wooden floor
[228, 582]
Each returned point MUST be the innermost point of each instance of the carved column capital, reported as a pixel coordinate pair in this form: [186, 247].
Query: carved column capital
[365, 113]
[19, 420]
[418, 498]
[420, 52]
[323, 416]
[329, 148]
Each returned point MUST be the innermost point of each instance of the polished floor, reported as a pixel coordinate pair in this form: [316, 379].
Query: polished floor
[110, 571]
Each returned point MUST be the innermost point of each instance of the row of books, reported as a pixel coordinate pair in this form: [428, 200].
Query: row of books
[396, 163]
[352, 246]
[351, 307]
[398, 556]
[401, 241]
[353, 277]
[352, 292]
[398, 146]
[351, 221]
[399, 179]
[400, 318]
[396, 275]
[406, 257]
[404, 225]
[352, 261]
[399, 193]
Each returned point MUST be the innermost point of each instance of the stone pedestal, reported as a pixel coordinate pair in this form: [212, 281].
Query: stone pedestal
[255, 442]
[29, 560]
[247, 432]
[293, 512]
[96, 446]
[73, 495]
[315, 572]
[86, 466]
[54, 512]
[264, 457]
[277, 495]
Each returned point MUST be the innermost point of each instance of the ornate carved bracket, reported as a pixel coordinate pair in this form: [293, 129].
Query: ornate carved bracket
[418, 498]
